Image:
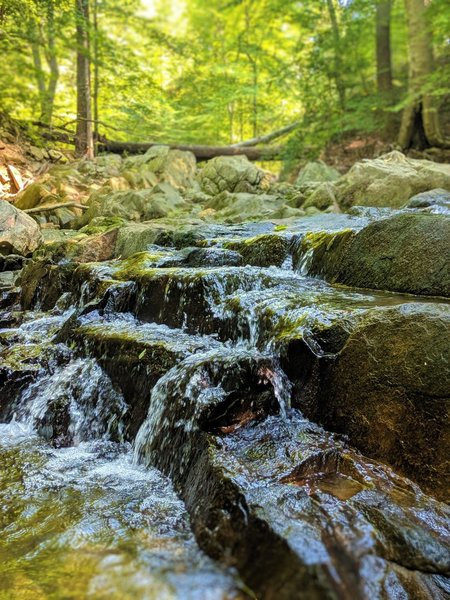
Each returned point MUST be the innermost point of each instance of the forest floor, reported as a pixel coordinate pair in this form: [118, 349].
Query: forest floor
[24, 156]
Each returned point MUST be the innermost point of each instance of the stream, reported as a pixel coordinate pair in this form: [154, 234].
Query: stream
[159, 440]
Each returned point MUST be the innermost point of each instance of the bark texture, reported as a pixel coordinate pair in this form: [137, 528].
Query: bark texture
[423, 110]
[84, 142]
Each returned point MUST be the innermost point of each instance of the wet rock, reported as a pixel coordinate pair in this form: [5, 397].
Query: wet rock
[438, 200]
[381, 389]
[286, 487]
[212, 257]
[404, 253]
[232, 174]
[263, 250]
[43, 283]
[390, 180]
[19, 233]
[316, 172]
[135, 355]
[21, 362]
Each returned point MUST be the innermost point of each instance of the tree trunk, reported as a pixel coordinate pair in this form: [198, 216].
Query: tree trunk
[84, 143]
[337, 53]
[383, 43]
[96, 70]
[422, 104]
[42, 37]
[384, 66]
[52, 61]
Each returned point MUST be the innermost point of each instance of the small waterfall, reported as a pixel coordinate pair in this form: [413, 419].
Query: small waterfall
[204, 387]
[74, 403]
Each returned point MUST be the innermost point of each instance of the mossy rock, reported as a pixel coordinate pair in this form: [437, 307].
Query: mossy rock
[407, 252]
[321, 198]
[262, 250]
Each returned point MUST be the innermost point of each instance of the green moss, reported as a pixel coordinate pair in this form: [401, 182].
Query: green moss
[262, 250]
[102, 225]
[23, 356]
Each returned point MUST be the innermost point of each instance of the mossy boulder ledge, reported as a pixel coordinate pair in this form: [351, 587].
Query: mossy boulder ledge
[407, 252]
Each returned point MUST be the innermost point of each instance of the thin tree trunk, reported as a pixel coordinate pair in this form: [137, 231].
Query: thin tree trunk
[384, 65]
[84, 143]
[337, 53]
[383, 43]
[96, 89]
[52, 61]
[40, 77]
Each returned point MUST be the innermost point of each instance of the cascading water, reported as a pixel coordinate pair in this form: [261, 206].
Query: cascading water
[80, 502]
[184, 370]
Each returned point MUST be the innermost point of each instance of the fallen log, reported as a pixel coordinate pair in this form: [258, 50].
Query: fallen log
[268, 137]
[200, 152]
[46, 207]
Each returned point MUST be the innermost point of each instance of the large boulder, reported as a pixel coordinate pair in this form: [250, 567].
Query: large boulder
[138, 237]
[160, 164]
[316, 172]
[233, 174]
[388, 389]
[407, 252]
[390, 180]
[135, 205]
[19, 233]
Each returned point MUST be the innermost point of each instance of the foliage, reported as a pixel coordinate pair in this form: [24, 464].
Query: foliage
[218, 71]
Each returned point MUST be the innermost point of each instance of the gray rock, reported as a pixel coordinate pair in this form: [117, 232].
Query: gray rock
[19, 233]
[233, 174]
[390, 180]
[317, 172]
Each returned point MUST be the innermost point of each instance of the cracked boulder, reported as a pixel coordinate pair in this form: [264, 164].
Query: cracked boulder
[19, 233]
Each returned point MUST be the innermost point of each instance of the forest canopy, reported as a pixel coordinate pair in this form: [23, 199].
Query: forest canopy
[222, 71]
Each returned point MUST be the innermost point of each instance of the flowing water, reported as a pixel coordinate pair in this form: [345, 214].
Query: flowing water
[184, 370]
